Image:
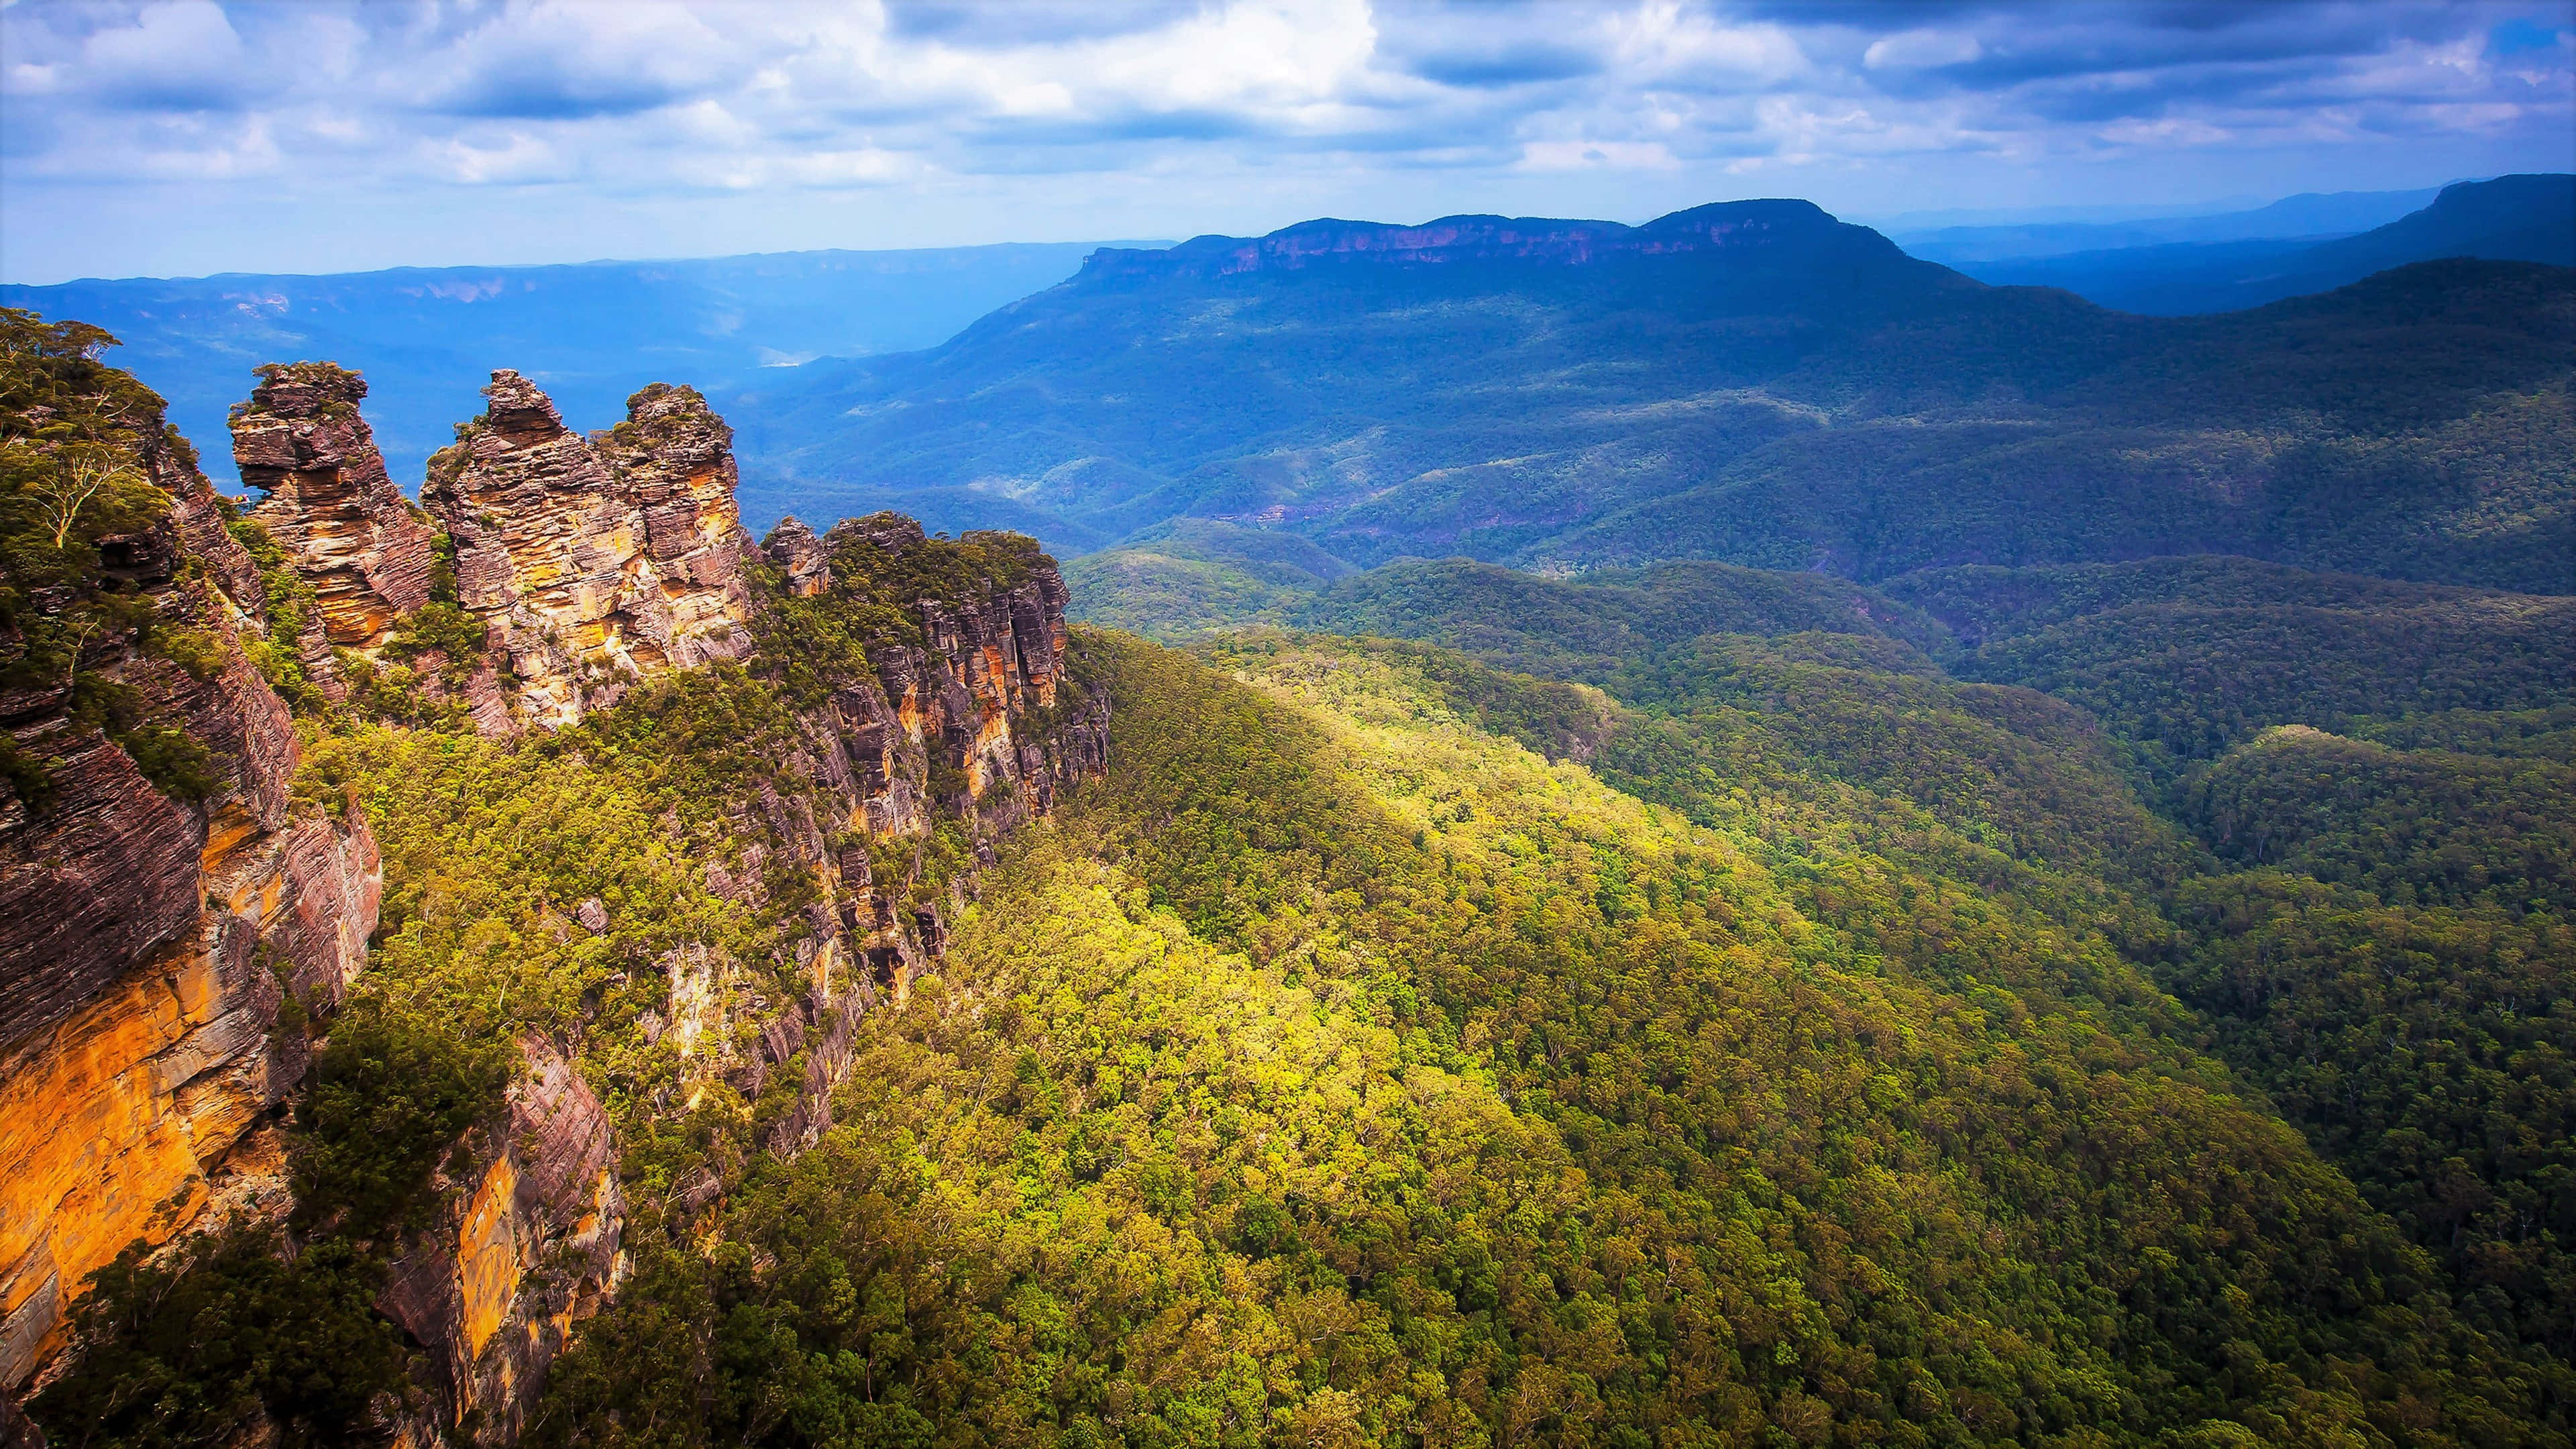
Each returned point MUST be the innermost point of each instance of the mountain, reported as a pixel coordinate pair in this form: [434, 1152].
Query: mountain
[1748, 381]
[2309, 215]
[543, 969]
[2511, 218]
[428, 337]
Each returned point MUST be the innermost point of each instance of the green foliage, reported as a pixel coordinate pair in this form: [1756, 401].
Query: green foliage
[248, 1322]
[2418, 826]
[228, 1332]
[387, 1099]
[1338, 1073]
[2530, 734]
[2431, 1052]
[292, 605]
[2189, 680]
[78, 443]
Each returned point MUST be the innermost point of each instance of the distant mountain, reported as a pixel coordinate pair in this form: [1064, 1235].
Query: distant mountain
[2304, 219]
[2512, 218]
[1754, 381]
[428, 339]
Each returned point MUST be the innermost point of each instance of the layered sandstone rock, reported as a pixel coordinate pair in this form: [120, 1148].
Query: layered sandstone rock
[979, 721]
[147, 941]
[801, 556]
[527, 1246]
[330, 505]
[594, 561]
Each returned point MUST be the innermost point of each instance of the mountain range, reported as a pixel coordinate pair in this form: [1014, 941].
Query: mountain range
[2511, 218]
[1749, 381]
[430, 336]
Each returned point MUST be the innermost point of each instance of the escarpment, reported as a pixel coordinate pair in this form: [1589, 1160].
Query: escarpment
[161, 897]
[198, 841]
[594, 561]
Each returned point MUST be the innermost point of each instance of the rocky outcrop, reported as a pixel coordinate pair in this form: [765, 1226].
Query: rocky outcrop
[121, 1121]
[977, 721]
[330, 505]
[800, 556]
[527, 1245]
[173, 922]
[594, 561]
[150, 932]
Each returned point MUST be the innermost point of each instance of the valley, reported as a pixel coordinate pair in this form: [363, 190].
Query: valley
[1499, 832]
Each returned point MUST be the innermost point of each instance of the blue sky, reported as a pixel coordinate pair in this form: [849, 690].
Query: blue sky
[186, 136]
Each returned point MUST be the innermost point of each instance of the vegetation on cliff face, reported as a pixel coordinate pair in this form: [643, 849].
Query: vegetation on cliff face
[1686, 1006]
[269, 1327]
[80, 443]
[1342, 1072]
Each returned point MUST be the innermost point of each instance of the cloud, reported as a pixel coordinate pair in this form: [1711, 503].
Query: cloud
[569, 61]
[1154, 116]
[1921, 50]
[181, 56]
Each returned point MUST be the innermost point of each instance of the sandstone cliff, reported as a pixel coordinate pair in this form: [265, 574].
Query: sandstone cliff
[526, 1246]
[330, 505]
[159, 897]
[177, 924]
[594, 561]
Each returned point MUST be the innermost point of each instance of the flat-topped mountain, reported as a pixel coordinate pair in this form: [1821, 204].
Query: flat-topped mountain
[1743, 230]
[1752, 381]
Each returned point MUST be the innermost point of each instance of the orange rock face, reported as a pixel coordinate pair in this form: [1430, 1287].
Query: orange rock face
[595, 561]
[146, 939]
[495, 1288]
[116, 1122]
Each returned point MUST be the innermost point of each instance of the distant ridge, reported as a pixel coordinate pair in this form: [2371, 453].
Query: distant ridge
[1749, 381]
[1725, 226]
[2522, 218]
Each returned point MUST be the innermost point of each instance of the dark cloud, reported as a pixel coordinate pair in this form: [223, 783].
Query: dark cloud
[535, 93]
[1032, 22]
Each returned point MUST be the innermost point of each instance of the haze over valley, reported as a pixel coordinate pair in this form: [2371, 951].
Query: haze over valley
[1725, 827]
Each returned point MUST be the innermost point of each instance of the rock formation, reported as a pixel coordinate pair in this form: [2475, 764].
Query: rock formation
[526, 1246]
[593, 561]
[146, 937]
[794, 548]
[172, 934]
[330, 505]
[976, 723]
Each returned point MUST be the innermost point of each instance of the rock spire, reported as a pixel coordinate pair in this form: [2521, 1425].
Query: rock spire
[595, 560]
[361, 545]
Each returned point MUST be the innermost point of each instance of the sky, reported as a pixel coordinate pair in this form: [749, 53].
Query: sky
[183, 137]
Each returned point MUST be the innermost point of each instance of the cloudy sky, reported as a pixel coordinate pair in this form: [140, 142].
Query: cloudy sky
[186, 136]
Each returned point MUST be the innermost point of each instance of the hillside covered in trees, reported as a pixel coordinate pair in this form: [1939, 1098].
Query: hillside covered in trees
[810, 993]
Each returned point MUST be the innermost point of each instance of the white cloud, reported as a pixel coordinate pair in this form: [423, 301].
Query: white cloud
[1159, 116]
[183, 55]
[1921, 50]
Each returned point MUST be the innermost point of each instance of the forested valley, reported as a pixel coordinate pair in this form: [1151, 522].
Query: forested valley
[553, 970]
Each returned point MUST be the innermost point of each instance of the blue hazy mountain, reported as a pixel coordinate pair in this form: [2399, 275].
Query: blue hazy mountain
[428, 338]
[1751, 381]
[2306, 218]
[2530, 218]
